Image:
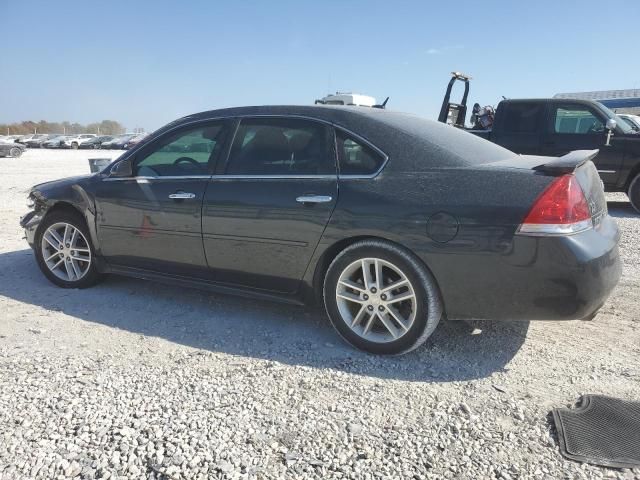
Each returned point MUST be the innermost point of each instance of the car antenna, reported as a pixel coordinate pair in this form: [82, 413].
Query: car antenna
[383, 105]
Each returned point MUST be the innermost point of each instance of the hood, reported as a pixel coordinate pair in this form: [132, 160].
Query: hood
[54, 185]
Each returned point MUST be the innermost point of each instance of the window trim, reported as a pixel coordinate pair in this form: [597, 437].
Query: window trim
[233, 123]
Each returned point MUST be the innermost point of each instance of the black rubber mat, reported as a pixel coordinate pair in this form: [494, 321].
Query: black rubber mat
[600, 430]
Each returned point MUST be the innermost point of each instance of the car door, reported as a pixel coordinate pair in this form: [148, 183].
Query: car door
[152, 220]
[574, 126]
[266, 208]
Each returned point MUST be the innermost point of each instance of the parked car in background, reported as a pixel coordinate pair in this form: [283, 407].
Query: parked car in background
[135, 140]
[11, 138]
[95, 142]
[55, 142]
[11, 149]
[73, 141]
[23, 139]
[41, 138]
[390, 220]
[632, 120]
[118, 142]
[33, 139]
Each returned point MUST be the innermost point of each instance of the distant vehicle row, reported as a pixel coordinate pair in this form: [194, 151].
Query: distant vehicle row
[83, 140]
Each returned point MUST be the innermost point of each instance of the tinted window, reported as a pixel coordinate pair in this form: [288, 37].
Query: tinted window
[186, 152]
[576, 119]
[356, 158]
[281, 147]
[521, 117]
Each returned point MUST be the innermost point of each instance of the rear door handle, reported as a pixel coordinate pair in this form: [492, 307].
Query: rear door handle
[182, 196]
[314, 199]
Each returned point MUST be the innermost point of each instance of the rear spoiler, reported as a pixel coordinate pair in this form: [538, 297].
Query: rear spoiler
[568, 163]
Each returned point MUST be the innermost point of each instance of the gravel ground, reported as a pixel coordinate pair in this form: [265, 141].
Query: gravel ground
[133, 379]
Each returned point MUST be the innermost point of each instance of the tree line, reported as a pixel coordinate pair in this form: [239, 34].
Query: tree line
[105, 127]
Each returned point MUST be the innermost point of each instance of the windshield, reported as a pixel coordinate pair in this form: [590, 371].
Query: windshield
[622, 125]
[631, 123]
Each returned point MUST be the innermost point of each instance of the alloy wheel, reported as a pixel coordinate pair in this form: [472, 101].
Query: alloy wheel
[66, 252]
[376, 300]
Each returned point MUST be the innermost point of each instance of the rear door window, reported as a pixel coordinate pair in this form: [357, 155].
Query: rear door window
[520, 117]
[281, 147]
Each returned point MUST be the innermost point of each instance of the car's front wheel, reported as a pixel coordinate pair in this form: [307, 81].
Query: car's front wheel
[74, 145]
[380, 298]
[15, 152]
[634, 193]
[64, 251]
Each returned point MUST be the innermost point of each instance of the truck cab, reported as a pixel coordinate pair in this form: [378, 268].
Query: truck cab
[555, 127]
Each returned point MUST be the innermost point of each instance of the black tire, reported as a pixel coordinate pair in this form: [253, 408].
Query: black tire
[74, 145]
[92, 276]
[429, 307]
[15, 152]
[634, 193]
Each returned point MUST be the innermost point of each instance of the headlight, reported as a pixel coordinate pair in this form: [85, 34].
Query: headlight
[31, 202]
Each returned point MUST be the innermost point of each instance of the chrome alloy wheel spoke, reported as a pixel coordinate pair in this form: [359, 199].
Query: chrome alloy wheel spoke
[376, 300]
[66, 252]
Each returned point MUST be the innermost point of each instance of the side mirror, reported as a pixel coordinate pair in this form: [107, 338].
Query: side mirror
[611, 126]
[122, 169]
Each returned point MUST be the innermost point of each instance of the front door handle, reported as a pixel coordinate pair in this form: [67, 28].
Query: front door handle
[182, 196]
[314, 199]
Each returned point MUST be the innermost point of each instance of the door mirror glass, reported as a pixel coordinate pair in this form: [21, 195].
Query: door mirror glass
[122, 169]
[611, 124]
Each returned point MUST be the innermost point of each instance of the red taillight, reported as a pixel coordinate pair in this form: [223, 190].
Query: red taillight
[561, 209]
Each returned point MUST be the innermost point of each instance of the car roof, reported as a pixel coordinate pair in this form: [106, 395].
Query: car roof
[417, 143]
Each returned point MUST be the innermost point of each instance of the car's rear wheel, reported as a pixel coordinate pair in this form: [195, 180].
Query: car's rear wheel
[15, 152]
[634, 193]
[380, 298]
[64, 252]
[74, 145]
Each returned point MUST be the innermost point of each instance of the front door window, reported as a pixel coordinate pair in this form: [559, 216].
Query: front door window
[577, 120]
[183, 153]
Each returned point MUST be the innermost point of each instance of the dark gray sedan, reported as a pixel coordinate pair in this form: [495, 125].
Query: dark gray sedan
[11, 149]
[389, 220]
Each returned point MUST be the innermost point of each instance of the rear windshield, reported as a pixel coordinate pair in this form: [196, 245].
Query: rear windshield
[444, 145]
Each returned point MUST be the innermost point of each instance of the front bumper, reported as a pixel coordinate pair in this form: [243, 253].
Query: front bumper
[539, 278]
[29, 223]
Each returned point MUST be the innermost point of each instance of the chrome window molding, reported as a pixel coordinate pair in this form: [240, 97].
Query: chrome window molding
[271, 177]
[248, 115]
[145, 179]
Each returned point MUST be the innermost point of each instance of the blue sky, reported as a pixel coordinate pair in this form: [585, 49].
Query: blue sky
[146, 63]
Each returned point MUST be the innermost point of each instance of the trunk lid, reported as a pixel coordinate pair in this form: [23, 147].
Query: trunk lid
[577, 163]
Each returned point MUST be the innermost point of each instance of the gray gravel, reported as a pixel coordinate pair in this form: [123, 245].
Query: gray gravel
[139, 380]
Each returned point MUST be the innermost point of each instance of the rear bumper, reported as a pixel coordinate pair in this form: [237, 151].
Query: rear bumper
[540, 278]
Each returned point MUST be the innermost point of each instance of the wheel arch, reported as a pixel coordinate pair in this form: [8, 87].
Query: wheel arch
[64, 206]
[635, 171]
[330, 253]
